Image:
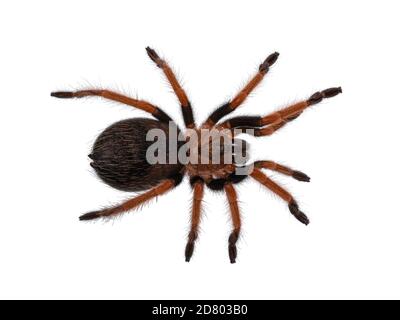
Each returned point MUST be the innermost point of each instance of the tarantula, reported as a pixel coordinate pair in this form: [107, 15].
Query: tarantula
[119, 153]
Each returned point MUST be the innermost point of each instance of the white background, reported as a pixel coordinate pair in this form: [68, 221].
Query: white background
[347, 144]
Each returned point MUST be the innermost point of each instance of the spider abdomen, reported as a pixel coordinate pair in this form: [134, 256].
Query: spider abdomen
[119, 156]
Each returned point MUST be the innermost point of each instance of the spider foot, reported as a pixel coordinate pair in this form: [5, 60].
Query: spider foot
[233, 238]
[271, 59]
[298, 175]
[154, 56]
[90, 215]
[294, 209]
[62, 94]
[232, 253]
[327, 93]
[331, 92]
[190, 245]
[189, 251]
[100, 213]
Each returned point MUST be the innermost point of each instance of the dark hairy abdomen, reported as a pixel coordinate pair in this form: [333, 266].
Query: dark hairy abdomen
[119, 156]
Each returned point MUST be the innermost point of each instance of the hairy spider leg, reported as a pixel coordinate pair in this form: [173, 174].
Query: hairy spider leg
[186, 107]
[141, 199]
[271, 165]
[278, 119]
[198, 193]
[236, 221]
[277, 189]
[227, 108]
[114, 96]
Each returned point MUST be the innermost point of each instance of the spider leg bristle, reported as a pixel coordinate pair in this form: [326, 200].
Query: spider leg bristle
[298, 175]
[91, 156]
[62, 94]
[294, 209]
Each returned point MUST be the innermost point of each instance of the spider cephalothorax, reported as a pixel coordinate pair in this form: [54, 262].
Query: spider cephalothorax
[121, 153]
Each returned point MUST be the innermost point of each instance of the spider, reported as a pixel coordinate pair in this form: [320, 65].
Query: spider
[119, 153]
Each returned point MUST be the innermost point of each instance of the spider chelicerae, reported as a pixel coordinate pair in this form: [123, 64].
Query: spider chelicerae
[120, 153]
